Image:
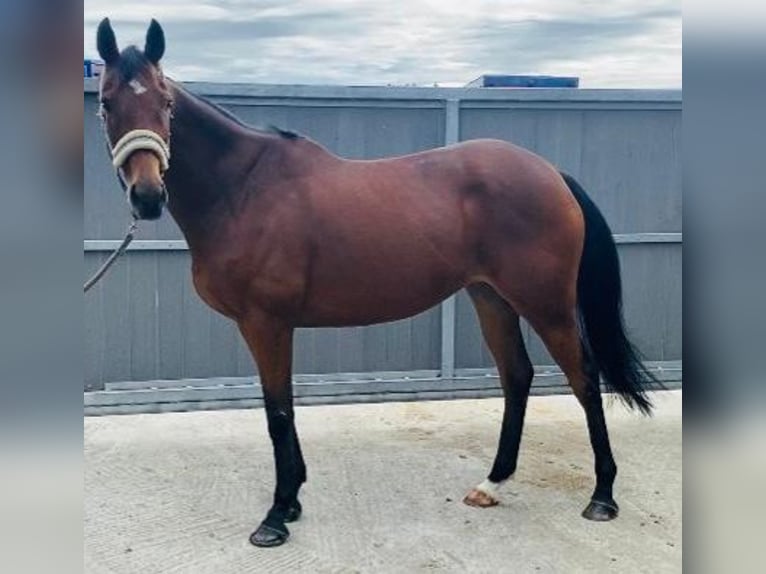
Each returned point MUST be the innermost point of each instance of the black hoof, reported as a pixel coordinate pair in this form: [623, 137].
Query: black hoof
[269, 535]
[600, 511]
[294, 512]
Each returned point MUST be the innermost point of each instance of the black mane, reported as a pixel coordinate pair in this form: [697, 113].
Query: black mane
[286, 134]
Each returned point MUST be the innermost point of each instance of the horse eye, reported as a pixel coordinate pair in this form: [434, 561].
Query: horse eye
[169, 104]
[105, 105]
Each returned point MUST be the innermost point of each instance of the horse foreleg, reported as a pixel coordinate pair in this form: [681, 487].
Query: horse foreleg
[271, 343]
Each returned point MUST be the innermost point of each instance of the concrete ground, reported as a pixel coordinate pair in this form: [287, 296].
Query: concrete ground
[182, 492]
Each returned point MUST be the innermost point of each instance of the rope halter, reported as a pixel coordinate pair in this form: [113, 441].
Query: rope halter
[140, 140]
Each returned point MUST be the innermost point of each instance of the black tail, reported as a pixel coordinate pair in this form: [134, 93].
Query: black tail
[599, 294]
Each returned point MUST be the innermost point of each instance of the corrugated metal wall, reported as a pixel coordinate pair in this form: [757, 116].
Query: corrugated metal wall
[145, 323]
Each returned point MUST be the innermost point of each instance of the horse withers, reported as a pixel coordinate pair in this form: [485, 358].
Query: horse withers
[284, 234]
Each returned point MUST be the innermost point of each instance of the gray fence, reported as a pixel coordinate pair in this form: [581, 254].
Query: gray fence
[151, 344]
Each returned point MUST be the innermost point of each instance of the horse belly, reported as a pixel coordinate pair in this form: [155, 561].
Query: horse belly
[389, 283]
[361, 305]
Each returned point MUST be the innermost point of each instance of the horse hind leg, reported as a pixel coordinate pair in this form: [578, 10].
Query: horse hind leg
[500, 328]
[558, 330]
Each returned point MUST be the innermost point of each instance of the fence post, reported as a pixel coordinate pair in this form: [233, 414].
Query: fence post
[451, 136]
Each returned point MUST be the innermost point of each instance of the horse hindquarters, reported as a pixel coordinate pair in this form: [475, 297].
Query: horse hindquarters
[540, 280]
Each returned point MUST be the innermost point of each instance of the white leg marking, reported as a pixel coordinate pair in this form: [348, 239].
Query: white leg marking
[137, 86]
[492, 489]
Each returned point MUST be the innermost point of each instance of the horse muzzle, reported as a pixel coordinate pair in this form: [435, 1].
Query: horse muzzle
[147, 200]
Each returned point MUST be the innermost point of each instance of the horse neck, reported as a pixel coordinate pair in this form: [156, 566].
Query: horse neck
[211, 157]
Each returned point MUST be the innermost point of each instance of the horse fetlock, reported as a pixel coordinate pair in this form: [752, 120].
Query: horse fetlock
[485, 494]
[606, 473]
[293, 512]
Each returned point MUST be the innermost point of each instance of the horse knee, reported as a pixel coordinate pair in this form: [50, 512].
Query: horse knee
[280, 423]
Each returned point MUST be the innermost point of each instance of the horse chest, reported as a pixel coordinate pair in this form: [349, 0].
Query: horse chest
[213, 293]
[236, 288]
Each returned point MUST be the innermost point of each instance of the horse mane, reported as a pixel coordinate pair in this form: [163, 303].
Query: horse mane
[286, 134]
[132, 61]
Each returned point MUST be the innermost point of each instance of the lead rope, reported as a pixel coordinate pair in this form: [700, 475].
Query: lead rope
[132, 228]
[130, 142]
[113, 257]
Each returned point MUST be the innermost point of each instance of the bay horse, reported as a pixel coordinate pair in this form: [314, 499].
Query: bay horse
[284, 234]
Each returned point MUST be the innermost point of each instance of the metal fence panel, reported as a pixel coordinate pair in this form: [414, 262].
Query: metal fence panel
[629, 161]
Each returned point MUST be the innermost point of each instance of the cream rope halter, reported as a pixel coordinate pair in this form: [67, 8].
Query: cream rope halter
[141, 139]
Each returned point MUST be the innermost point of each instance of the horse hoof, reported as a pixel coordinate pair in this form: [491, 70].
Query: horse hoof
[294, 512]
[267, 536]
[599, 511]
[480, 498]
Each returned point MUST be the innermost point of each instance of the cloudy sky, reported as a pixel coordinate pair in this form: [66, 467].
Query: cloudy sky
[608, 44]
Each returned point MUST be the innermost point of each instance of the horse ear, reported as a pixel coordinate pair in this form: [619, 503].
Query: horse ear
[155, 42]
[107, 43]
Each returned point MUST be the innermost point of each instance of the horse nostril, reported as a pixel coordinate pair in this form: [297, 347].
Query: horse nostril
[147, 193]
[132, 194]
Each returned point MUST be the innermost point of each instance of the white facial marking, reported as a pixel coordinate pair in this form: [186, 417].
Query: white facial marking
[138, 88]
